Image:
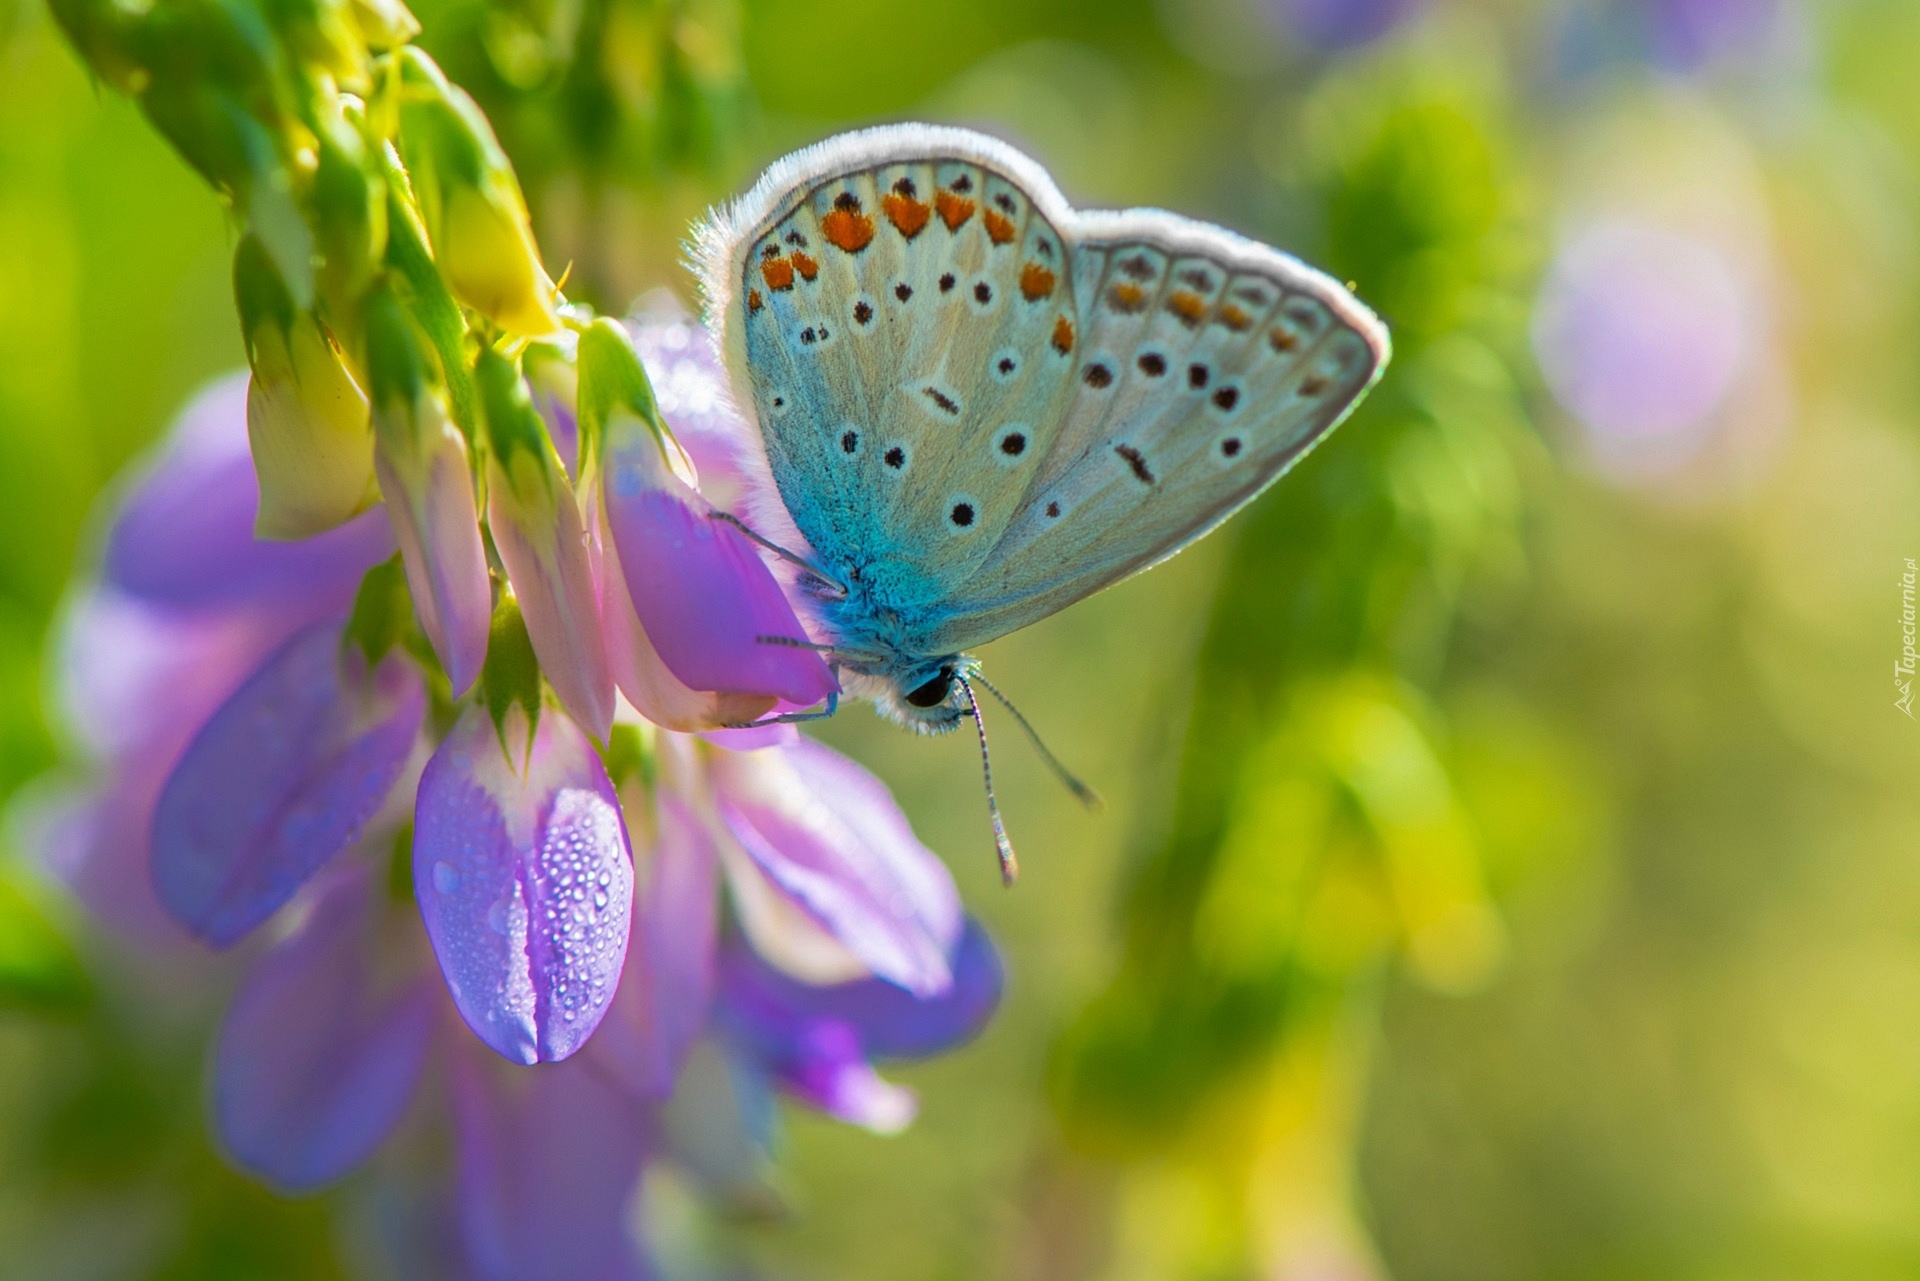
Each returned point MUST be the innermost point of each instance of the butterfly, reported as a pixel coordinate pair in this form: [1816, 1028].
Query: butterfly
[979, 405]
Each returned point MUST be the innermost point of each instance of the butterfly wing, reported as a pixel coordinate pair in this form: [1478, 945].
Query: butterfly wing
[986, 405]
[1208, 365]
[896, 312]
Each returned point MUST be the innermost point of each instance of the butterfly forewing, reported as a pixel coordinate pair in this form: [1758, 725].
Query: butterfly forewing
[898, 331]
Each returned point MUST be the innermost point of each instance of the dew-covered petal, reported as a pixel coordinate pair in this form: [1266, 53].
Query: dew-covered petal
[429, 491]
[184, 532]
[525, 881]
[653, 690]
[829, 836]
[282, 778]
[547, 1163]
[668, 980]
[314, 1066]
[709, 604]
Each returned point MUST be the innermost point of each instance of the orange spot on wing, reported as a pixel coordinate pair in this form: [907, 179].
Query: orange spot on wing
[778, 273]
[1127, 296]
[1235, 319]
[1036, 282]
[954, 210]
[806, 266]
[1313, 386]
[848, 229]
[1063, 335]
[753, 300]
[908, 216]
[999, 227]
[1282, 339]
[1189, 307]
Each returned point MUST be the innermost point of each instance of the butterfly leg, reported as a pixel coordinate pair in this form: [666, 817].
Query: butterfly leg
[783, 553]
[835, 654]
[794, 718]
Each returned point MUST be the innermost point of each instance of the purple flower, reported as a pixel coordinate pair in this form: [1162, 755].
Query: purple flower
[252, 764]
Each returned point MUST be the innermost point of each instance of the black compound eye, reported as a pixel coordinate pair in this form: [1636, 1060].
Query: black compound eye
[934, 692]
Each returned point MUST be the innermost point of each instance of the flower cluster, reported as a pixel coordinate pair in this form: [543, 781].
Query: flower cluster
[512, 769]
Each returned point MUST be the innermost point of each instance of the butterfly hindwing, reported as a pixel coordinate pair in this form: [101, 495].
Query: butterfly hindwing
[1206, 371]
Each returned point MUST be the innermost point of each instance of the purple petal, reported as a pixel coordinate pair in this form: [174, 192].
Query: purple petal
[525, 882]
[282, 778]
[766, 1011]
[691, 390]
[548, 1162]
[313, 1068]
[829, 836]
[653, 690]
[136, 681]
[816, 1041]
[701, 591]
[752, 740]
[668, 981]
[430, 502]
[184, 535]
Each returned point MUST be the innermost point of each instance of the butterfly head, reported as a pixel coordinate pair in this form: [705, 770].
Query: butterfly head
[930, 696]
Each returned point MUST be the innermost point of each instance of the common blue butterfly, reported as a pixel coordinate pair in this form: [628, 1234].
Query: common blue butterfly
[979, 405]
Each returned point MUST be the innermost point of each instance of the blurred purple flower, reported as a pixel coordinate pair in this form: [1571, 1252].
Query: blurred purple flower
[1641, 332]
[1681, 37]
[1689, 33]
[283, 777]
[1334, 25]
[314, 1065]
[818, 1042]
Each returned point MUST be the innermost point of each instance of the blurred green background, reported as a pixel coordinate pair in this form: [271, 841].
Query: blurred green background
[1512, 860]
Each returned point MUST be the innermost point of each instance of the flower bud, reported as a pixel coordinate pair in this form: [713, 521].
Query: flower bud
[709, 606]
[384, 24]
[537, 530]
[421, 460]
[306, 419]
[475, 215]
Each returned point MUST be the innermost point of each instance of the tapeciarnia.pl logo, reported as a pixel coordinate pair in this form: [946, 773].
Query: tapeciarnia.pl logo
[1903, 668]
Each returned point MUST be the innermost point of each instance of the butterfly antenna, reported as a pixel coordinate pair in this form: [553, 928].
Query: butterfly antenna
[1009, 862]
[1082, 791]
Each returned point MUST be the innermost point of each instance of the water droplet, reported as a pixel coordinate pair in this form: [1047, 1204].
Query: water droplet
[446, 877]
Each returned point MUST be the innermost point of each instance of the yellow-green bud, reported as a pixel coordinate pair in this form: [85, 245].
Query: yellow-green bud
[306, 418]
[476, 218]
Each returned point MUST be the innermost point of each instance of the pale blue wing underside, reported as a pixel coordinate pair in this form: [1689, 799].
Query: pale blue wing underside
[985, 405]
